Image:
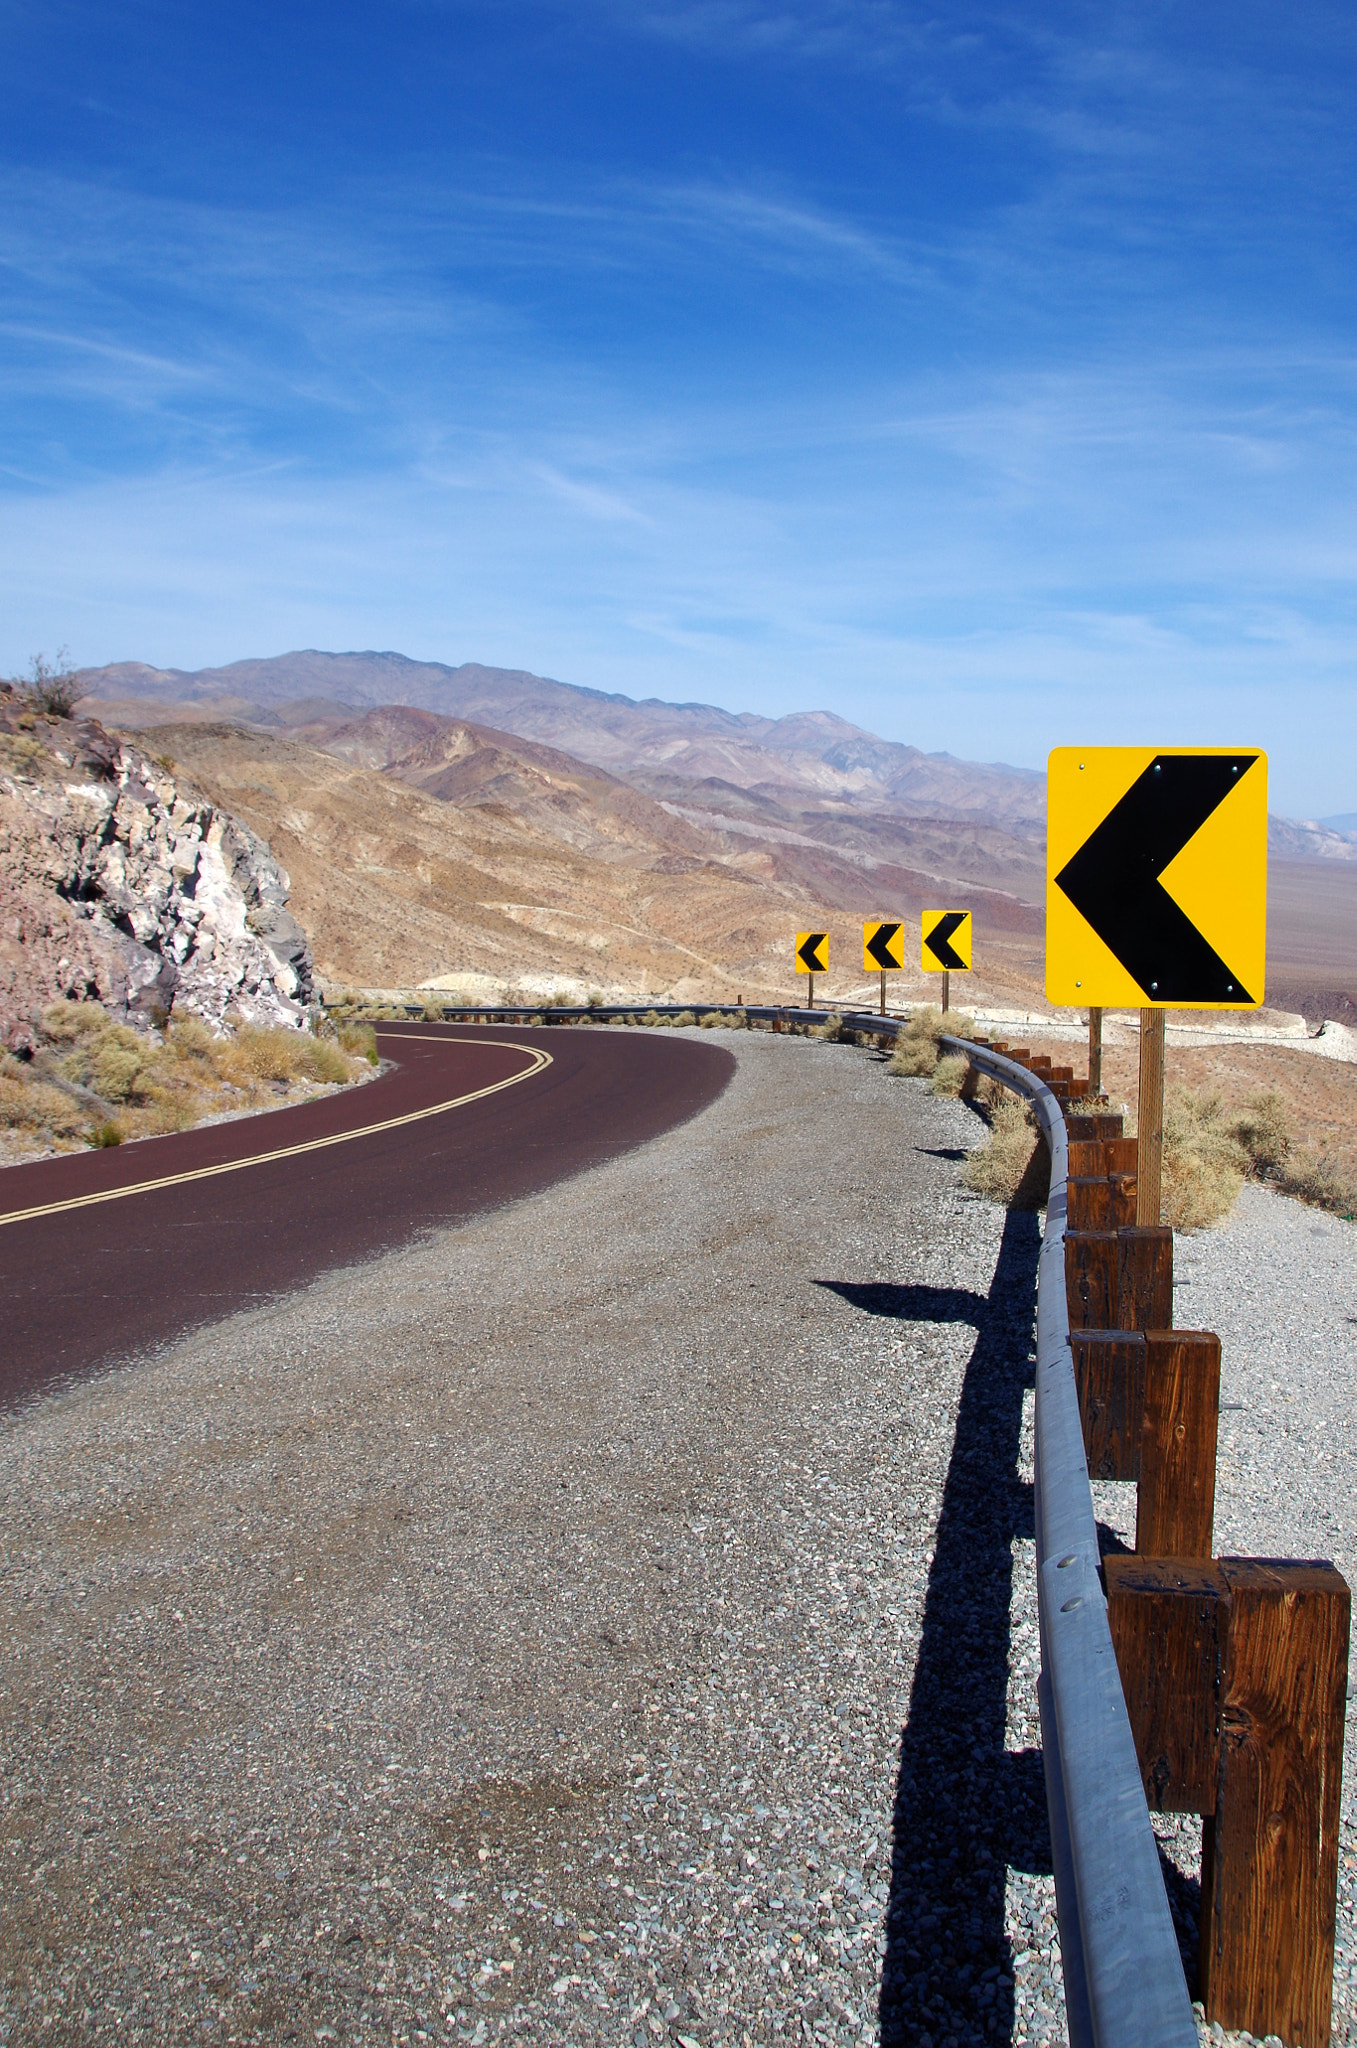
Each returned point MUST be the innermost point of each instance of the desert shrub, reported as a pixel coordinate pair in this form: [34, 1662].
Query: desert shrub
[1261, 1129]
[433, 1012]
[116, 1069]
[1013, 1167]
[258, 1053]
[711, 1020]
[190, 1035]
[594, 999]
[52, 686]
[652, 1017]
[831, 1031]
[684, 1019]
[358, 1039]
[322, 1060]
[949, 1075]
[104, 1134]
[1204, 1162]
[66, 1021]
[1312, 1175]
[31, 1105]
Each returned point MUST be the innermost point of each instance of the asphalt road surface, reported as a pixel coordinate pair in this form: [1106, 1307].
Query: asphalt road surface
[107, 1253]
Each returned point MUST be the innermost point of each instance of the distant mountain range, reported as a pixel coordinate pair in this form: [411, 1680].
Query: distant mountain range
[813, 756]
[812, 775]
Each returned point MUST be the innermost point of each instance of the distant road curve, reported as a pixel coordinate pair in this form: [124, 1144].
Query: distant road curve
[103, 1254]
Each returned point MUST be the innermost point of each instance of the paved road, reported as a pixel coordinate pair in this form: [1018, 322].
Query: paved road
[106, 1253]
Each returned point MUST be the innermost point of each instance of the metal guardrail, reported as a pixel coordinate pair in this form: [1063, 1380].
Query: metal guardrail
[1124, 1982]
[1123, 1975]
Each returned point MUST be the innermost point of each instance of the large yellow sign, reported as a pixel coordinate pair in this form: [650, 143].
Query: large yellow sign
[812, 952]
[883, 946]
[946, 940]
[1156, 877]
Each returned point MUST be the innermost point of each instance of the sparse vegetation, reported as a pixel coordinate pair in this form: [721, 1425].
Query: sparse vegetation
[916, 1048]
[52, 687]
[94, 1081]
[949, 1074]
[1013, 1167]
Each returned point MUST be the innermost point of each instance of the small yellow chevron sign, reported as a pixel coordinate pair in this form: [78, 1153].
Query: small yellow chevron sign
[946, 940]
[1156, 877]
[812, 952]
[883, 946]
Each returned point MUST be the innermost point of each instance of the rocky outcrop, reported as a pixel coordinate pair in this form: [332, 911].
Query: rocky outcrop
[122, 884]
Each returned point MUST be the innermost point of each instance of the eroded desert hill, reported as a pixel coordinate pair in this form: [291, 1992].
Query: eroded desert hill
[422, 849]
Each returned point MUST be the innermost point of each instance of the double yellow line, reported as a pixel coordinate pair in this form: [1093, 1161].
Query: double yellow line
[538, 1058]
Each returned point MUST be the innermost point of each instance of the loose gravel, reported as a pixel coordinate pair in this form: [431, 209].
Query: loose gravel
[611, 1621]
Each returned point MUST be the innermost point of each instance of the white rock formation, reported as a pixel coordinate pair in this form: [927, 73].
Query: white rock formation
[120, 884]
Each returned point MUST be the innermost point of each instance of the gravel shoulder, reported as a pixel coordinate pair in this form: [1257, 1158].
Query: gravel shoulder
[609, 1621]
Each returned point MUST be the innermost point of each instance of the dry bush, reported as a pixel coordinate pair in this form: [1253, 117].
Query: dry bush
[684, 1019]
[116, 1069]
[652, 1017]
[105, 1134]
[65, 1021]
[359, 1040]
[1312, 1175]
[1013, 1168]
[916, 1048]
[1261, 1130]
[1204, 1162]
[831, 1031]
[949, 1075]
[192, 1037]
[30, 1105]
[711, 1019]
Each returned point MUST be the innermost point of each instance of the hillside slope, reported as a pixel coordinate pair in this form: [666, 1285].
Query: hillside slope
[470, 854]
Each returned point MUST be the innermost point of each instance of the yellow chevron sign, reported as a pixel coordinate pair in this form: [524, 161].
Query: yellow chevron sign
[1156, 877]
[946, 940]
[812, 952]
[883, 946]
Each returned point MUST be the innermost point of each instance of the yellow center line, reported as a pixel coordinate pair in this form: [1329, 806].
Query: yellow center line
[392, 1123]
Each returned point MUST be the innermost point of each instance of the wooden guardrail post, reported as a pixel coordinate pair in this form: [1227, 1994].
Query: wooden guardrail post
[1119, 1279]
[1175, 1505]
[1150, 1406]
[1235, 1675]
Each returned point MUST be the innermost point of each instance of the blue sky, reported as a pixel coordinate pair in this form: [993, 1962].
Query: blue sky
[985, 374]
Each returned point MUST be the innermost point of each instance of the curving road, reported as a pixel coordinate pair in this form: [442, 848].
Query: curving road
[105, 1253]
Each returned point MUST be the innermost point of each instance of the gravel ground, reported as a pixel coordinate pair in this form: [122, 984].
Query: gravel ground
[596, 1624]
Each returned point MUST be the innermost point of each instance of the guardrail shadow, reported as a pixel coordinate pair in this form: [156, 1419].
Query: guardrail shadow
[966, 1809]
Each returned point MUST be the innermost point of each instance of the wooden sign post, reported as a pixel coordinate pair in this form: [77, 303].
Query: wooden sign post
[1095, 1052]
[1150, 1120]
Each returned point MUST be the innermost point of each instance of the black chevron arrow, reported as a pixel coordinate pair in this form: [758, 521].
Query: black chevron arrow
[880, 943]
[809, 952]
[1113, 880]
[938, 940]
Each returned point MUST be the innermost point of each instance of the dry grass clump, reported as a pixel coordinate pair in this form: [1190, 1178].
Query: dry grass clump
[1204, 1160]
[949, 1075]
[91, 1081]
[831, 1031]
[916, 1048]
[725, 1020]
[652, 1017]
[256, 1054]
[684, 1020]
[1014, 1167]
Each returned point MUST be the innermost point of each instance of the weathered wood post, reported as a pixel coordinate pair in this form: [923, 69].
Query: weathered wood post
[1235, 1675]
[1095, 1052]
[1150, 1119]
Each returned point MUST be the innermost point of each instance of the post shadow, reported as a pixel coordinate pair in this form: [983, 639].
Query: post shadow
[965, 1808]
